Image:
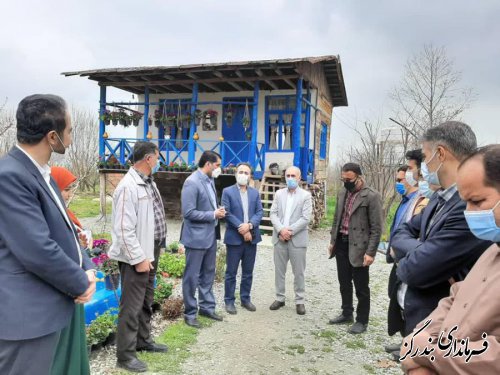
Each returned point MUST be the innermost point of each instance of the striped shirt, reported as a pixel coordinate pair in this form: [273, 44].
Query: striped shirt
[158, 208]
[346, 216]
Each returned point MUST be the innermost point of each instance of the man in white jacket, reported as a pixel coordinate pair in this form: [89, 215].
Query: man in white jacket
[138, 232]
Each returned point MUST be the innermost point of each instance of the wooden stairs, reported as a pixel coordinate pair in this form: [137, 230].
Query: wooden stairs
[269, 185]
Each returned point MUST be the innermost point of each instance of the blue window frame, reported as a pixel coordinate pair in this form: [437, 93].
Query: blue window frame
[322, 141]
[280, 112]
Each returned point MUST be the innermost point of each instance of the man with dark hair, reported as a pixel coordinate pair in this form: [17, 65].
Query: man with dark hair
[414, 158]
[199, 234]
[138, 233]
[355, 235]
[435, 249]
[43, 271]
[243, 215]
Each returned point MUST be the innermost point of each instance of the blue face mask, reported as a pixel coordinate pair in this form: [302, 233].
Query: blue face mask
[156, 168]
[431, 177]
[400, 188]
[482, 224]
[424, 189]
[292, 183]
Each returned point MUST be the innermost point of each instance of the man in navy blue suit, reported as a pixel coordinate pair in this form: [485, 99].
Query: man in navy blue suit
[243, 215]
[436, 248]
[42, 268]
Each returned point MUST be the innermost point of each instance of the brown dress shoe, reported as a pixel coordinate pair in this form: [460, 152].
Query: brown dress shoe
[276, 305]
[301, 309]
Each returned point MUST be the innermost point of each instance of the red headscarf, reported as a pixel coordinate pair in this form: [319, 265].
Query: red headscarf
[63, 179]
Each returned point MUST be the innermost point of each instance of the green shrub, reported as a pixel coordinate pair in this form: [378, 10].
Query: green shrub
[101, 327]
[163, 290]
[172, 264]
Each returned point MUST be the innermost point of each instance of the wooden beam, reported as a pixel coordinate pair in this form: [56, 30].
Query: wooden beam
[288, 82]
[233, 84]
[261, 74]
[202, 81]
[209, 85]
[240, 74]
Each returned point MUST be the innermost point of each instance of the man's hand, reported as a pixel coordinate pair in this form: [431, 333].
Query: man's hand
[247, 237]
[144, 266]
[220, 213]
[244, 228]
[87, 295]
[286, 233]
[84, 242]
[368, 260]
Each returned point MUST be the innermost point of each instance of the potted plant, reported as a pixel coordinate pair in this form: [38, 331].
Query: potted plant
[245, 122]
[158, 115]
[102, 164]
[101, 328]
[248, 135]
[186, 120]
[115, 117]
[170, 119]
[110, 269]
[135, 117]
[163, 290]
[183, 167]
[123, 118]
[228, 116]
[106, 117]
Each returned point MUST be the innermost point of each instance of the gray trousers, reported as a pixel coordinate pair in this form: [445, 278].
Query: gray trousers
[134, 318]
[284, 251]
[22, 357]
[199, 274]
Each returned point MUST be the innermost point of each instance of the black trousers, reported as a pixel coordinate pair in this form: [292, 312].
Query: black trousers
[347, 274]
[134, 318]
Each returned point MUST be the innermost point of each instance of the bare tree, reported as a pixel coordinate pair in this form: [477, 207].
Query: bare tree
[82, 156]
[379, 152]
[7, 128]
[429, 92]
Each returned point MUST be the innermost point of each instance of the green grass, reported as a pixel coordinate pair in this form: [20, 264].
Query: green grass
[298, 348]
[326, 334]
[369, 369]
[330, 210]
[85, 205]
[179, 337]
[355, 344]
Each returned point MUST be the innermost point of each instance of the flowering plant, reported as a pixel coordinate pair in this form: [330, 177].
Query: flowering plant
[105, 264]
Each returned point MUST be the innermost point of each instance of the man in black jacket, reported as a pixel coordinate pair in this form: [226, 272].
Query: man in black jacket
[436, 248]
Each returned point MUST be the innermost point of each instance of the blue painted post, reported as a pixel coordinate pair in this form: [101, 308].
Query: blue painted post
[146, 114]
[102, 126]
[307, 134]
[296, 124]
[252, 150]
[192, 129]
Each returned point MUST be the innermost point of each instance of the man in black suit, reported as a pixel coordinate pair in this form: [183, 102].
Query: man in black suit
[436, 248]
[42, 269]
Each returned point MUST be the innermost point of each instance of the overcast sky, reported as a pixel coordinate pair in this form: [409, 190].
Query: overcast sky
[41, 39]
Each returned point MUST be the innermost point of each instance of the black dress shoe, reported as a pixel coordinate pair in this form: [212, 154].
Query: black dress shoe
[276, 305]
[392, 348]
[301, 309]
[154, 347]
[231, 309]
[249, 306]
[341, 319]
[133, 365]
[211, 315]
[192, 322]
[357, 328]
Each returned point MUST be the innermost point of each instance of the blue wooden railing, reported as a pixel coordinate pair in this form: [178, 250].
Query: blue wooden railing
[232, 152]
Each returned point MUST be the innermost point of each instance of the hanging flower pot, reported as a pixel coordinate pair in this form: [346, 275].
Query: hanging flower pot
[135, 117]
[248, 135]
[228, 117]
[106, 117]
[186, 120]
[112, 281]
[246, 117]
[115, 117]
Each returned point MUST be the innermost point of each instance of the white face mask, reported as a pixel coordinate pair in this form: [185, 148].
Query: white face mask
[242, 179]
[410, 179]
[216, 172]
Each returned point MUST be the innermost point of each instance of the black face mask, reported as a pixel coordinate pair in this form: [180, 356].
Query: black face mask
[350, 185]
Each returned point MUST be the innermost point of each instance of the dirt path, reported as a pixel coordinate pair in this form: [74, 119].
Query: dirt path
[282, 342]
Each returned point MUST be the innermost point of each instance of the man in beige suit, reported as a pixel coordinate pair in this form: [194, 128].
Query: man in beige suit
[290, 215]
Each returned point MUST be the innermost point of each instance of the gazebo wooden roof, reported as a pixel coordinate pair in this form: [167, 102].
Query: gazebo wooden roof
[323, 73]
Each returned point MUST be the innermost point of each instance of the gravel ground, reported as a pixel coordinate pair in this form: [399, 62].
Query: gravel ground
[282, 342]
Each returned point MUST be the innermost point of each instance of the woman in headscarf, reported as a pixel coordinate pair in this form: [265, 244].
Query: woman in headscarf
[71, 354]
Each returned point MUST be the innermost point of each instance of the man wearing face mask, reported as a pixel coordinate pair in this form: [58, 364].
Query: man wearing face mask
[138, 233]
[355, 236]
[473, 304]
[199, 234]
[412, 203]
[436, 248]
[43, 271]
[243, 215]
[290, 215]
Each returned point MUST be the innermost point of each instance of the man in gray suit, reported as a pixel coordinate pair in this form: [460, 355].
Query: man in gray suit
[290, 215]
[199, 235]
